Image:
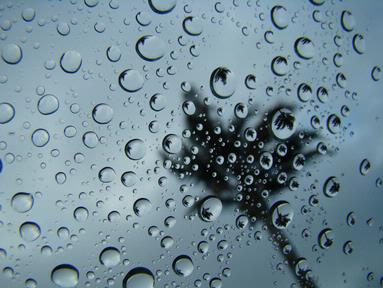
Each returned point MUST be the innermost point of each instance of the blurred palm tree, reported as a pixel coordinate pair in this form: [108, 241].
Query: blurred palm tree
[227, 155]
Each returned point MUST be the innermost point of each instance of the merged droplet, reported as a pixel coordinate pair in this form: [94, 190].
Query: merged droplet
[7, 112]
[65, 276]
[150, 48]
[223, 82]
[131, 80]
[71, 61]
[183, 266]
[135, 149]
[11, 53]
[139, 277]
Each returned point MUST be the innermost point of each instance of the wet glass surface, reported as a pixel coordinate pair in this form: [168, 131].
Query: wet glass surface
[174, 143]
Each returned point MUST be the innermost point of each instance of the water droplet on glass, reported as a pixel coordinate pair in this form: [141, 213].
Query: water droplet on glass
[183, 266]
[279, 66]
[157, 102]
[40, 137]
[139, 277]
[326, 238]
[131, 80]
[347, 21]
[28, 14]
[193, 25]
[331, 187]
[162, 6]
[305, 48]
[210, 209]
[150, 48]
[365, 167]
[30, 231]
[334, 123]
[284, 123]
[90, 139]
[280, 17]
[7, 112]
[107, 175]
[113, 53]
[250, 81]
[129, 179]
[71, 61]
[48, 104]
[11, 53]
[282, 214]
[142, 207]
[65, 276]
[81, 214]
[110, 257]
[223, 82]
[376, 73]
[359, 43]
[102, 113]
[22, 202]
[135, 149]
[172, 144]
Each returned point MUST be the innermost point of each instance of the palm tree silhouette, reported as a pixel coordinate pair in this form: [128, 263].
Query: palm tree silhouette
[214, 141]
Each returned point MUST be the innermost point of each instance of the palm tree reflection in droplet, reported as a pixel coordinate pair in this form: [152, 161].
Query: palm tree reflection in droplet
[213, 142]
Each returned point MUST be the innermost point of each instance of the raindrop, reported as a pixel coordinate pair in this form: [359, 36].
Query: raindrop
[359, 43]
[305, 92]
[189, 107]
[22, 202]
[29, 231]
[90, 139]
[282, 214]
[193, 25]
[279, 66]
[334, 123]
[172, 144]
[28, 14]
[131, 80]
[157, 102]
[326, 238]
[71, 61]
[305, 48]
[162, 6]
[48, 104]
[347, 21]
[211, 209]
[241, 110]
[280, 17]
[81, 214]
[40, 137]
[65, 276]
[110, 257]
[129, 179]
[106, 175]
[11, 53]
[331, 187]
[250, 81]
[7, 112]
[376, 73]
[139, 277]
[150, 48]
[364, 167]
[113, 53]
[135, 149]
[223, 82]
[102, 113]
[142, 207]
[183, 265]
[284, 123]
